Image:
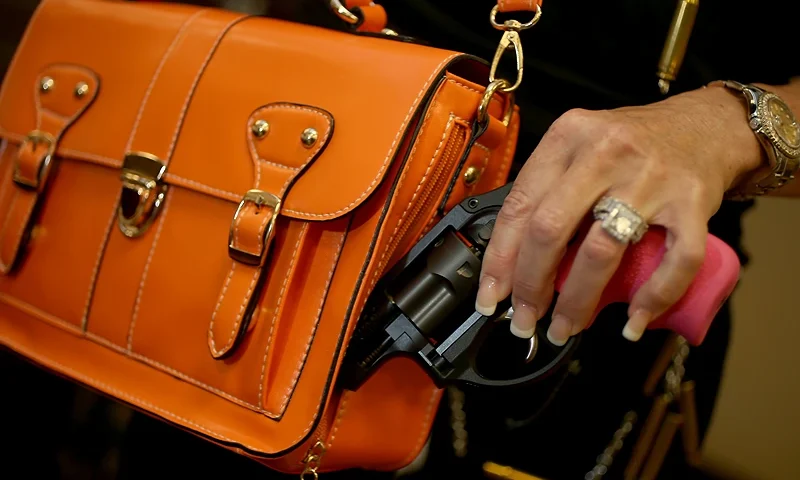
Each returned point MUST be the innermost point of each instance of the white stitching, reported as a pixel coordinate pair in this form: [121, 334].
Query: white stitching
[312, 154]
[216, 309]
[483, 168]
[109, 162]
[223, 194]
[18, 238]
[238, 317]
[65, 119]
[3, 264]
[126, 396]
[388, 154]
[247, 296]
[161, 222]
[296, 374]
[8, 170]
[196, 80]
[233, 196]
[47, 317]
[96, 270]
[506, 155]
[422, 181]
[339, 416]
[178, 36]
[289, 273]
[170, 370]
[467, 87]
[11, 135]
[424, 428]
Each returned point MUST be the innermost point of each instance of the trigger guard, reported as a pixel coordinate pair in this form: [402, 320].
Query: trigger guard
[471, 375]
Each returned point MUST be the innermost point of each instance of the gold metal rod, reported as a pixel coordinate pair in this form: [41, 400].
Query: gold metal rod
[676, 43]
[502, 472]
[648, 433]
[690, 429]
[661, 447]
[660, 366]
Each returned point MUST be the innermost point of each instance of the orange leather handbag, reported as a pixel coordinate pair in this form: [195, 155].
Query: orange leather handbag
[195, 203]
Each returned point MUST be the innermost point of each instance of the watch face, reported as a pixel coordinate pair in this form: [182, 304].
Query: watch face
[783, 122]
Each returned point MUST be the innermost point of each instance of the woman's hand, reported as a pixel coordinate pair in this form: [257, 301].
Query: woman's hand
[672, 161]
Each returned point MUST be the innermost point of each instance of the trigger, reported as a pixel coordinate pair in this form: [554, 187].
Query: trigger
[533, 343]
[533, 346]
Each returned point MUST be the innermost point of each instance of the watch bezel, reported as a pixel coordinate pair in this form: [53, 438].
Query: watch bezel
[766, 126]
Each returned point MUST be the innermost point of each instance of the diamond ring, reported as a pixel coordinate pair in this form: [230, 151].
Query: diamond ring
[620, 220]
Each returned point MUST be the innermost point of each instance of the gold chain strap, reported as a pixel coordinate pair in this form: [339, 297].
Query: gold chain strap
[312, 462]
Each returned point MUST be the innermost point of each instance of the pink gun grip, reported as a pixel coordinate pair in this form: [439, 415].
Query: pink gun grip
[692, 315]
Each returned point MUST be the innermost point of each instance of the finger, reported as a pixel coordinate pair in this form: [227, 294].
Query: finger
[596, 261]
[543, 168]
[686, 242]
[550, 228]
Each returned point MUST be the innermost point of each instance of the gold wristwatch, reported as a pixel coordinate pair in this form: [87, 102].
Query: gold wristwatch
[777, 130]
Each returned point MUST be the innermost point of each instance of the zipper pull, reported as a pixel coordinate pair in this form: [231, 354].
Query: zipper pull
[312, 461]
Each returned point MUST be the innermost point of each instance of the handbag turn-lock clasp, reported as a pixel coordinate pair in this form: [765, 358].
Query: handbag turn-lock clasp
[143, 192]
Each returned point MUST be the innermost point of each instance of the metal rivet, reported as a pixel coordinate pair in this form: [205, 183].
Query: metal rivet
[309, 137]
[471, 175]
[47, 84]
[81, 89]
[260, 128]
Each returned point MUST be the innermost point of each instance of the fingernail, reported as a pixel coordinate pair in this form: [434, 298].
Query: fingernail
[486, 300]
[523, 322]
[636, 325]
[560, 330]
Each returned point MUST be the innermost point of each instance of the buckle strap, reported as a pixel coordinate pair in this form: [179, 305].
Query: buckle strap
[284, 140]
[255, 203]
[62, 93]
[33, 160]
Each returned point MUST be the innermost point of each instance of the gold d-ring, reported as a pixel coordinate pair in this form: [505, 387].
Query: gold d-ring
[342, 12]
[483, 107]
[511, 24]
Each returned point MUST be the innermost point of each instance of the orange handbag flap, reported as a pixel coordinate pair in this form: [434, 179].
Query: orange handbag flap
[182, 83]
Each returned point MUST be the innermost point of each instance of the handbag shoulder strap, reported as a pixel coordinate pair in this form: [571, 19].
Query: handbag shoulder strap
[368, 16]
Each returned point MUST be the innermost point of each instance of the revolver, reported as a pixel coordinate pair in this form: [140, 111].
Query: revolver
[424, 307]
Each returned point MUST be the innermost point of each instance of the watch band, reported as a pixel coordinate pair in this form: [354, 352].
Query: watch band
[782, 167]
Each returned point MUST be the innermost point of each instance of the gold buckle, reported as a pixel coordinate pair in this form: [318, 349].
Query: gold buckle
[36, 138]
[143, 192]
[261, 199]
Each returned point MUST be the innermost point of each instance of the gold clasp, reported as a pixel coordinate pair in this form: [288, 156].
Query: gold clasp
[511, 40]
[143, 192]
[261, 199]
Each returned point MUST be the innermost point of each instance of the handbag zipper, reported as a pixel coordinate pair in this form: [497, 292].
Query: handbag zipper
[431, 190]
[427, 198]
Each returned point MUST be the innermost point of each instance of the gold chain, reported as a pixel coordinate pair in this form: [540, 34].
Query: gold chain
[312, 462]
